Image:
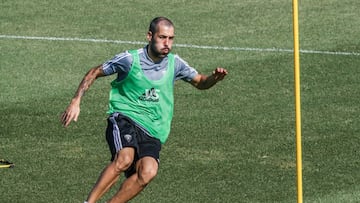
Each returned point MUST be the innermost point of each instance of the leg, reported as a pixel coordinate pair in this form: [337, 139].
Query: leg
[111, 173]
[147, 168]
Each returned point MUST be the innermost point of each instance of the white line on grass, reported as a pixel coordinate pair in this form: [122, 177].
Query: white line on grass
[180, 45]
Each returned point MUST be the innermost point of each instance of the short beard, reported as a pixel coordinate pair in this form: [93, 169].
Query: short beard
[155, 52]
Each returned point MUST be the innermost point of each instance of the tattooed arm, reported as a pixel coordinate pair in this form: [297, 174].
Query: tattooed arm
[73, 110]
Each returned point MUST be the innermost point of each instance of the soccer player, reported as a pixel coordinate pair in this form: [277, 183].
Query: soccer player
[140, 108]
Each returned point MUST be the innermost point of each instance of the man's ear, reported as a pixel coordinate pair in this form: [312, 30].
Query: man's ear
[149, 36]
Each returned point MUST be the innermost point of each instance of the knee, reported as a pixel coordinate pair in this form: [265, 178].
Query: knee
[146, 175]
[122, 163]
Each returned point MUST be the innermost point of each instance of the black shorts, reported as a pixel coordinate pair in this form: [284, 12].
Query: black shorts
[123, 132]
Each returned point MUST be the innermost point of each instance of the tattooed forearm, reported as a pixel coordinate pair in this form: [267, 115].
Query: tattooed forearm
[87, 81]
[84, 86]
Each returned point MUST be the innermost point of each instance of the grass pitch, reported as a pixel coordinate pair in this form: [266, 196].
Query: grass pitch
[233, 143]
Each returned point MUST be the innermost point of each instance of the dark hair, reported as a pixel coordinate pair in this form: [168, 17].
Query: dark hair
[156, 21]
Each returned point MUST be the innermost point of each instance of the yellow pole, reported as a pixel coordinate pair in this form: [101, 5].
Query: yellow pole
[297, 102]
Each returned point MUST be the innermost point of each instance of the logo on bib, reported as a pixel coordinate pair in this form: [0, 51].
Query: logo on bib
[150, 95]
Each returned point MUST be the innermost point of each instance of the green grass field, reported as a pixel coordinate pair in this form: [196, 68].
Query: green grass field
[233, 143]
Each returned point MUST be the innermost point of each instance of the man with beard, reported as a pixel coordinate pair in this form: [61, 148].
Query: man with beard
[140, 108]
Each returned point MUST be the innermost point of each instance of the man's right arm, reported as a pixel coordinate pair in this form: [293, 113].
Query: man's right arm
[73, 110]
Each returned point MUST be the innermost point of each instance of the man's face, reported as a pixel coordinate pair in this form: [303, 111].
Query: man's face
[160, 43]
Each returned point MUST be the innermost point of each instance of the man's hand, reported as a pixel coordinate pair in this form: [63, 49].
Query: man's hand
[203, 82]
[70, 114]
[219, 73]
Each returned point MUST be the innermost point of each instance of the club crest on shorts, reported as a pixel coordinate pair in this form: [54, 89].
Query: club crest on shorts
[128, 137]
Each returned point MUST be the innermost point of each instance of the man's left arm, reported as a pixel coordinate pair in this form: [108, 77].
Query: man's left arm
[203, 82]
